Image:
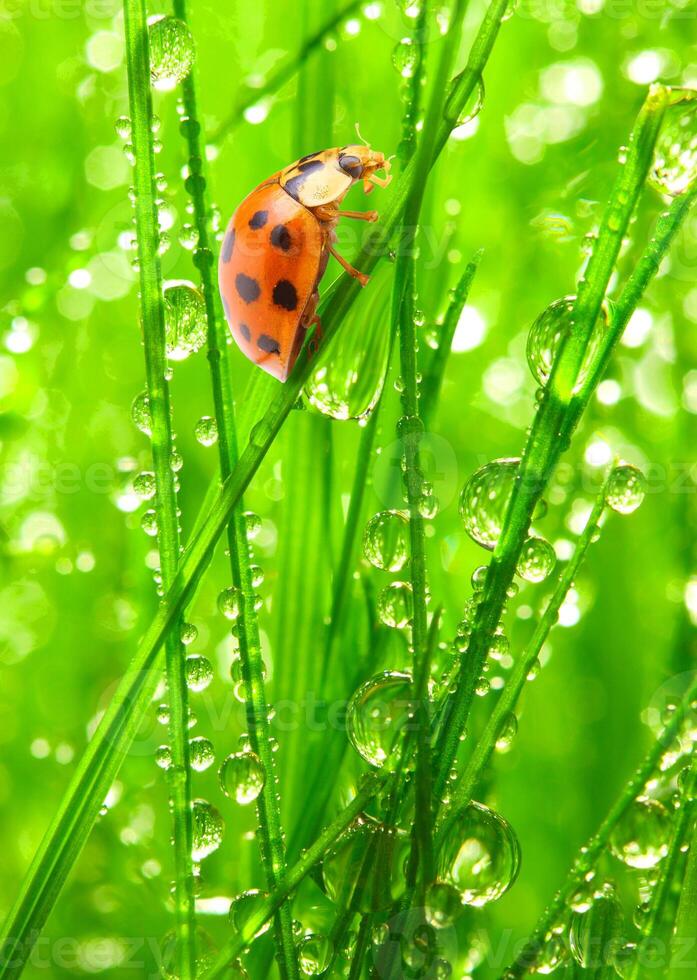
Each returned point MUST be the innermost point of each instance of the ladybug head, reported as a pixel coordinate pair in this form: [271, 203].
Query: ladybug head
[360, 162]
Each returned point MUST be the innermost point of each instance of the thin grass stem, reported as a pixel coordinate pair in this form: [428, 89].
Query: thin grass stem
[153, 324]
[268, 805]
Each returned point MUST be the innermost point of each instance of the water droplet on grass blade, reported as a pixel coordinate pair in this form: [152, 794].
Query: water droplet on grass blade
[314, 955]
[243, 908]
[640, 839]
[201, 753]
[229, 602]
[140, 413]
[405, 57]
[595, 934]
[548, 333]
[199, 672]
[171, 52]
[485, 498]
[349, 374]
[242, 777]
[385, 542]
[537, 559]
[378, 713]
[395, 605]
[443, 905]
[674, 169]
[370, 856]
[480, 856]
[207, 829]
[626, 489]
[206, 430]
[186, 325]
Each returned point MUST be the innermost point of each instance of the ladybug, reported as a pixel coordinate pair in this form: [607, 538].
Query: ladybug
[277, 246]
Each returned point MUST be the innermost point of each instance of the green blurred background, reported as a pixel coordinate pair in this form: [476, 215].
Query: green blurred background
[526, 182]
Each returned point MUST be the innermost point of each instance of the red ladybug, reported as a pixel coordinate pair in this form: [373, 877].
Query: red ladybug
[277, 246]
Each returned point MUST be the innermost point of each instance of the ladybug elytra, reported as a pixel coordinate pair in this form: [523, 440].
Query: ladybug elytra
[277, 246]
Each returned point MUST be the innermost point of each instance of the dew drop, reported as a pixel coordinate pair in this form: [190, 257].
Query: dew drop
[405, 57]
[145, 485]
[201, 753]
[640, 839]
[171, 52]
[537, 559]
[123, 127]
[385, 542]
[594, 935]
[149, 522]
[186, 325]
[207, 829]
[507, 733]
[485, 498]
[443, 904]
[350, 861]
[242, 777]
[243, 907]
[163, 756]
[549, 331]
[378, 712]
[674, 169]
[314, 955]
[140, 413]
[229, 602]
[206, 430]
[395, 604]
[626, 489]
[199, 672]
[480, 856]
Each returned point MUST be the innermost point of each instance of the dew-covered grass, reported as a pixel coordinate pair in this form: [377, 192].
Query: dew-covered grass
[386, 671]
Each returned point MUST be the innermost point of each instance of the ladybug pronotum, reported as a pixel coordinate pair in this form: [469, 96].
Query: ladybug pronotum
[277, 246]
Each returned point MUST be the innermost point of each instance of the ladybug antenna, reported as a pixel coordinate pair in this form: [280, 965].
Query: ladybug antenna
[358, 134]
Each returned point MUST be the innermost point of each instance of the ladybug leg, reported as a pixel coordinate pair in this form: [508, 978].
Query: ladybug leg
[374, 180]
[360, 276]
[359, 215]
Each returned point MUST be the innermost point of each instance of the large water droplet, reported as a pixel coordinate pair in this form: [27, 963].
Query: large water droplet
[243, 907]
[207, 829]
[201, 753]
[378, 713]
[199, 672]
[229, 603]
[594, 935]
[480, 856]
[314, 955]
[186, 325]
[549, 330]
[242, 777]
[206, 430]
[640, 839]
[385, 542]
[626, 489]
[171, 52]
[485, 498]
[395, 605]
[674, 169]
[349, 374]
[140, 413]
[537, 559]
[405, 57]
[378, 872]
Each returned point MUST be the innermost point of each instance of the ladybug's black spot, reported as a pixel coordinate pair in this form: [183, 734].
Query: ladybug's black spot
[268, 344]
[245, 331]
[285, 294]
[259, 219]
[294, 185]
[247, 287]
[280, 237]
[228, 246]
